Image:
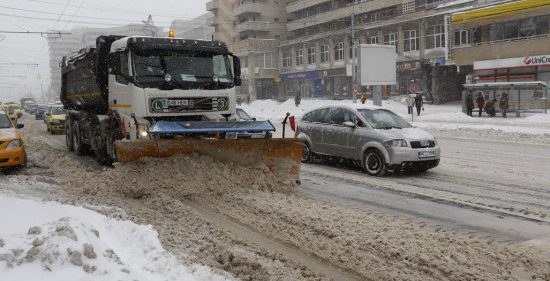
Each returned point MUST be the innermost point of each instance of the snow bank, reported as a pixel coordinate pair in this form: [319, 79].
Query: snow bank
[50, 241]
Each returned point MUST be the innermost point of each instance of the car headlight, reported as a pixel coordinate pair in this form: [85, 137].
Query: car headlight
[14, 144]
[396, 143]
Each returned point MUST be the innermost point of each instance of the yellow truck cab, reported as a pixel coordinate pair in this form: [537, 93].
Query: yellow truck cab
[12, 148]
[55, 119]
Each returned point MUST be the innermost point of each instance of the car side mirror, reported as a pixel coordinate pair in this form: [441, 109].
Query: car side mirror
[20, 126]
[349, 124]
[254, 119]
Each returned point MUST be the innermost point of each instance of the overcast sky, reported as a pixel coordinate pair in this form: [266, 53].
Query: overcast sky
[23, 15]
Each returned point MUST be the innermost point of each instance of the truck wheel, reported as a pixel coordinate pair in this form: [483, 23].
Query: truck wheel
[77, 142]
[102, 157]
[374, 163]
[69, 136]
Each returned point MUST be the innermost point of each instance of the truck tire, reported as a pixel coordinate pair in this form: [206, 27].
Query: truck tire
[79, 147]
[102, 157]
[69, 135]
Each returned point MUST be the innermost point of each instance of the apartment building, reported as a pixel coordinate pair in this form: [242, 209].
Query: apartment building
[253, 30]
[317, 55]
[196, 28]
[80, 38]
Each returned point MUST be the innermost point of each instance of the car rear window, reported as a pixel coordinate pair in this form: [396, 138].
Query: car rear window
[4, 121]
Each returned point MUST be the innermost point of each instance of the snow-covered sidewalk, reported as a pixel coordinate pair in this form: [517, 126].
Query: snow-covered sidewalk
[447, 116]
[49, 241]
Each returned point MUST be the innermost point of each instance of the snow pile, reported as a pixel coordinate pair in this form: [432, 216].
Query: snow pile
[49, 241]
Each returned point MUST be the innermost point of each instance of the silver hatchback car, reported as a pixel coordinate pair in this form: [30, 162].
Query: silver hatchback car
[377, 138]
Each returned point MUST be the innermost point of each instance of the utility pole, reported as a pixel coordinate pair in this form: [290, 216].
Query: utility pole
[355, 83]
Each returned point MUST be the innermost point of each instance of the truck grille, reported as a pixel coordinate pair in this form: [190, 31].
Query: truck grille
[422, 144]
[195, 104]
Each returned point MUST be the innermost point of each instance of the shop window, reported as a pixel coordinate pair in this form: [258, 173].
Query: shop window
[325, 54]
[339, 51]
[311, 55]
[411, 42]
[299, 57]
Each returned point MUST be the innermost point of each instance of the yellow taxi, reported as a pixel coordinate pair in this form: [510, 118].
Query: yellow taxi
[55, 119]
[10, 112]
[12, 148]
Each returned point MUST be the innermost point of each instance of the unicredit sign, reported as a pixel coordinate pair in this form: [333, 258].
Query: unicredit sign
[536, 60]
[513, 62]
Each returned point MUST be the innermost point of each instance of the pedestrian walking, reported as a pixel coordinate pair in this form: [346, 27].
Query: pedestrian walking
[239, 101]
[469, 104]
[490, 107]
[247, 99]
[480, 103]
[297, 99]
[410, 103]
[503, 104]
[419, 103]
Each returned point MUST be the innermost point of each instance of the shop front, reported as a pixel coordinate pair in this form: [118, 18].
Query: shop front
[307, 84]
[406, 72]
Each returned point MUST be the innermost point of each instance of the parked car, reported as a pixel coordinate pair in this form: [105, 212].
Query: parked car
[377, 138]
[12, 148]
[55, 119]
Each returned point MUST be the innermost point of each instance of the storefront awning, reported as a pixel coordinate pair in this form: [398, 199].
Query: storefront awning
[507, 85]
[499, 11]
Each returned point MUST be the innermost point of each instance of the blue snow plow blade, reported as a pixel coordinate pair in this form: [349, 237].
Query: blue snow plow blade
[202, 127]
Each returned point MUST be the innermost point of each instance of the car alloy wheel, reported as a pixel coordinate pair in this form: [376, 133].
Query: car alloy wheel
[374, 163]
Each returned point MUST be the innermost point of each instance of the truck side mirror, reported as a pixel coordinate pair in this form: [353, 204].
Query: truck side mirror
[20, 126]
[237, 70]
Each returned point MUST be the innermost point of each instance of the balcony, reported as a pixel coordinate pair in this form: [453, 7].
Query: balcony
[212, 5]
[213, 21]
[260, 26]
[340, 13]
[255, 45]
[303, 4]
[249, 8]
[501, 49]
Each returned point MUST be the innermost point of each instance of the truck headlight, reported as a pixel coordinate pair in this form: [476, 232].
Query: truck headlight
[143, 130]
[396, 143]
[14, 144]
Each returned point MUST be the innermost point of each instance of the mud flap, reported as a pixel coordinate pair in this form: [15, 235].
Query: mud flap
[281, 157]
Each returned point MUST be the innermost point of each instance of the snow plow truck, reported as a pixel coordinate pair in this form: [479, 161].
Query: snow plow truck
[133, 97]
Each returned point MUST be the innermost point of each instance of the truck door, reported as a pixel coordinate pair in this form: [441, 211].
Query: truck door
[120, 94]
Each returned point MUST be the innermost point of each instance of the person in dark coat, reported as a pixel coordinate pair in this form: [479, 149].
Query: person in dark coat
[469, 104]
[418, 103]
[480, 103]
[490, 107]
[239, 101]
[297, 99]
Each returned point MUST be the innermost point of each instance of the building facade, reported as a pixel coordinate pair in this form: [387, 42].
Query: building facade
[80, 38]
[196, 28]
[253, 33]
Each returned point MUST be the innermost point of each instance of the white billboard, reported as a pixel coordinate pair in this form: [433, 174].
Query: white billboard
[376, 65]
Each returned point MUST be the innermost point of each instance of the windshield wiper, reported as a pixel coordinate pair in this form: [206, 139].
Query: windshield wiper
[390, 127]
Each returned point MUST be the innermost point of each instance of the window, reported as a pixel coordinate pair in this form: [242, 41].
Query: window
[372, 40]
[339, 51]
[244, 61]
[287, 60]
[527, 27]
[340, 115]
[511, 30]
[325, 54]
[411, 42]
[543, 24]
[312, 55]
[462, 37]
[390, 39]
[123, 69]
[299, 57]
[435, 36]
[267, 61]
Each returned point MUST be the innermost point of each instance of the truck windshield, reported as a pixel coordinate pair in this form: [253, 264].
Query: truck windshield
[183, 71]
[4, 121]
[383, 119]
